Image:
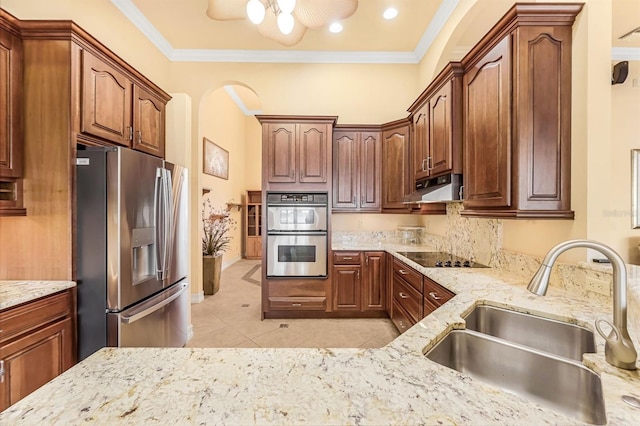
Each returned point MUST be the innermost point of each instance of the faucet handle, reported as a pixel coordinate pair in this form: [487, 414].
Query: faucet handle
[619, 350]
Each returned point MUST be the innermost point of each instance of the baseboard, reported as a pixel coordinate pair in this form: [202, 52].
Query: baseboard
[228, 263]
[197, 297]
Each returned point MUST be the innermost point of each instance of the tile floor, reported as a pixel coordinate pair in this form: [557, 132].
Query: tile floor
[231, 319]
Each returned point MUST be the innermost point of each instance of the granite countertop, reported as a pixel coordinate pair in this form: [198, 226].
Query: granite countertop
[395, 384]
[13, 293]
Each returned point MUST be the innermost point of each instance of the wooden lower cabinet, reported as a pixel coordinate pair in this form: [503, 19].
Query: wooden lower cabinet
[414, 296]
[37, 344]
[358, 280]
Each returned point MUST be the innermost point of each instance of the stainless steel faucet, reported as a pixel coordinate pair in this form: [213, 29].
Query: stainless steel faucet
[619, 350]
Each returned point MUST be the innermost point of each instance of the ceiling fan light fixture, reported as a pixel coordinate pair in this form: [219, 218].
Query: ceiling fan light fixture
[285, 23]
[255, 11]
[390, 13]
[335, 27]
[286, 6]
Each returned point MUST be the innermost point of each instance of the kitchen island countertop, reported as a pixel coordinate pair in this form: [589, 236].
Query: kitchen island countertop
[16, 292]
[395, 384]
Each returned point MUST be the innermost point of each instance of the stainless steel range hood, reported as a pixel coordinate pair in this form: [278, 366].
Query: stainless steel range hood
[436, 190]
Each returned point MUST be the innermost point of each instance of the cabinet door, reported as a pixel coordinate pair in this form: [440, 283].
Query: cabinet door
[420, 143]
[254, 248]
[440, 158]
[374, 282]
[347, 295]
[487, 129]
[395, 146]
[148, 122]
[11, 57]
[345, 170]
[281, 150]
[370, 171]
[34, 360]
[313, 143]
[106, 101]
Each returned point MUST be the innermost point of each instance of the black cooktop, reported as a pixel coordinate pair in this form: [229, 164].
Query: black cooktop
[440, 259]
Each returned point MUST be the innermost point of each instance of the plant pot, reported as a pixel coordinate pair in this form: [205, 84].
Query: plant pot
[211, 269]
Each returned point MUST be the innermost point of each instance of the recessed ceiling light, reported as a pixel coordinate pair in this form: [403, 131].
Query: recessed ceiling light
[336, 27]
[390, 13]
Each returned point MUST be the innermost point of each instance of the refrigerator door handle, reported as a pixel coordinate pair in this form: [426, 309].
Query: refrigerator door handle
[150, 307]
[168, 211]
[160, 220]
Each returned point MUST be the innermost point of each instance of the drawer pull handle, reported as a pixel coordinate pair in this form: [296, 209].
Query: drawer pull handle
[402, 271]
[347, 258]
[403, 296]
[434, 295]
[296, 305]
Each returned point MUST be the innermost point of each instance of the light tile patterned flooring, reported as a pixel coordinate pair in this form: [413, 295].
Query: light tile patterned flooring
[231, 319]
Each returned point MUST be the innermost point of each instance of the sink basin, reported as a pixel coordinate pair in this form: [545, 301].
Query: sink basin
[556, 337]
[562, 385]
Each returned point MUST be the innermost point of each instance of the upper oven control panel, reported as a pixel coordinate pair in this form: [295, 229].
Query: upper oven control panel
[317, 198]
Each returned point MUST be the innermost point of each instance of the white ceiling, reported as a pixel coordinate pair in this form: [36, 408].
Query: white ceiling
[183, 32]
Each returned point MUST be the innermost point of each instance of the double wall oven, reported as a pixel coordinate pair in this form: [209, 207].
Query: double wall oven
[297, 234]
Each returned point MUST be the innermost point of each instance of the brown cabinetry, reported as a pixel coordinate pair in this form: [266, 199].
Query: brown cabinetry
[395, 166]
[253, 225]
[434, 296]
[437, 121]
[296, 149]
[11, 131]
[356, 169]
[37, 344]
[414, 296]
[359, 281]
[118, 110]
[517, 109]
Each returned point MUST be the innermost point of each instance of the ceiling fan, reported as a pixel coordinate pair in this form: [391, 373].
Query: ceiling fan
[284, 21]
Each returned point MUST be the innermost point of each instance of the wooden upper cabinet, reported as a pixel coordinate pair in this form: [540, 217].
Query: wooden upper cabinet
[120, 110]
[11, 131]
[106, 101]
[313, 141]
[281, 148]
[297, 149]
[357, 171]
[345, 170]
[517, 107]
[437, 119]
[395, 166]
[148, 122]
[487, 90]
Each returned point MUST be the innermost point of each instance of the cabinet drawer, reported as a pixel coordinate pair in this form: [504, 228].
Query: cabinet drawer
[428, 306]
[25, 318]
[400, 318]
[346, 258]
[408, 274]
[297, 303]
[407, 297]
[436, 294]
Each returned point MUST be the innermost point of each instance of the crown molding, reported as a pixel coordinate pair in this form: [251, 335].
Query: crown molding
[131, 11]
[625, 53]
[234, 96]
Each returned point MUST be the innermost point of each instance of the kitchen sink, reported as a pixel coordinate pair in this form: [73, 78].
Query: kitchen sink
[558, 383]
[556, 337]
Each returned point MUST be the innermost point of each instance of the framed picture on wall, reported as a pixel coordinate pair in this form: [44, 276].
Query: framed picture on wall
[216, 160]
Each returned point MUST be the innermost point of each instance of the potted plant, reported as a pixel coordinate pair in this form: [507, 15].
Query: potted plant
[216, 224]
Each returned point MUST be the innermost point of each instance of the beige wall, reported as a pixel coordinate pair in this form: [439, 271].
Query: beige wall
[105, 22]
[223, 123]
[253, 154]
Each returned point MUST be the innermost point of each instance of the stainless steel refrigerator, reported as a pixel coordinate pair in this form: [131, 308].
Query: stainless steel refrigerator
[132, 219]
